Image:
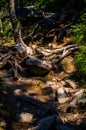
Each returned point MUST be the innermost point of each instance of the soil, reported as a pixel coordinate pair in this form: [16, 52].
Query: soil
[41, 100]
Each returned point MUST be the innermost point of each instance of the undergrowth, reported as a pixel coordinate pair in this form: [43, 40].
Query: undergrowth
[79, 37]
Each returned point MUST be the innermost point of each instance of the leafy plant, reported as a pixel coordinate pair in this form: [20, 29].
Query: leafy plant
[7, 29]
[79, 36]
[79, 29]
[80, 61]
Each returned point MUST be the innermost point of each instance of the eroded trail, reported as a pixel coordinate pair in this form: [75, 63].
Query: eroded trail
[47, 102]
[42, 91]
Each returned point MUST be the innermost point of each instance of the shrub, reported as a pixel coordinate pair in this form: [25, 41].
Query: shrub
[7, 29]
[80, 61]
[79, 33]
[79, 30]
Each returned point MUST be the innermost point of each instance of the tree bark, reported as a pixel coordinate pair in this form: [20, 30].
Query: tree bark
[19, 44]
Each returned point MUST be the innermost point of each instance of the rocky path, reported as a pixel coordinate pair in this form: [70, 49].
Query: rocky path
[52, 102]
[40, 103]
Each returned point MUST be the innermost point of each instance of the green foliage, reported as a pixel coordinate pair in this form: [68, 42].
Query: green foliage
[1, 105]
[7, 29]
[79, 30]
[5, 24]
[79, 33]
[80, 61]
[3, 2]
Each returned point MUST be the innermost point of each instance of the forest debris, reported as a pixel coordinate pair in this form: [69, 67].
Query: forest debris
[82, 104]
[81, 121]
[71, 83]
[79, 93]
[73, 105]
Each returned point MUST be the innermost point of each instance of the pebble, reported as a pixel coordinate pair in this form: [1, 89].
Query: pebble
[25, 117]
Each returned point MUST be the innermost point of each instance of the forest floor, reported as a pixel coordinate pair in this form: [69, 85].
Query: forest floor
[52, 102]
[31, 99]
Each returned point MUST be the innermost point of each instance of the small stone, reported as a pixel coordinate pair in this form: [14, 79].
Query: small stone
[25, 117]
[17, 91]
[61, 95]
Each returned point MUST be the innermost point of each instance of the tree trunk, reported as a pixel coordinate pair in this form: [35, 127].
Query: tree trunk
[19, 44]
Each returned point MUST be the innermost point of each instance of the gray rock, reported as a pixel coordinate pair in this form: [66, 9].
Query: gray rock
[61, 95]
[38, 67]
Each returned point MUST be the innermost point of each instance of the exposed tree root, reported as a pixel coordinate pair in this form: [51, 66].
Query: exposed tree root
[33, 63]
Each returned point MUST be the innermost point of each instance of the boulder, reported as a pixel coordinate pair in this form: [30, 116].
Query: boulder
[38, 67]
